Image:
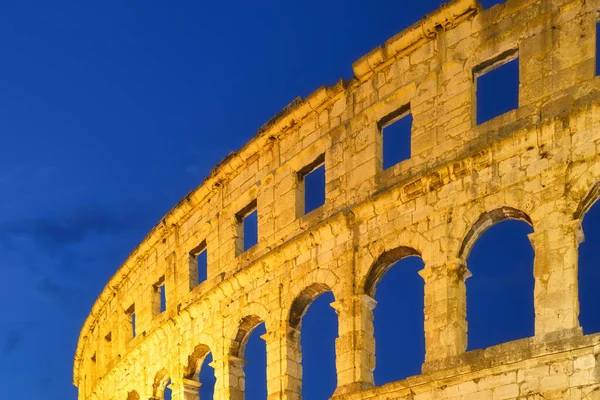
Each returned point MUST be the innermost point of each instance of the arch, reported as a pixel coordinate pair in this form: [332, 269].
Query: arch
[161, 380]
[237, 324]
[320, 276]
[588, 270]
[133, 395]
[385, 317]
[493, 317]
[584, 191]
[246, 326]
[195, 361]
[588, 202]
[303, 301]
[485, 222]
[383, 263]
[320, 350]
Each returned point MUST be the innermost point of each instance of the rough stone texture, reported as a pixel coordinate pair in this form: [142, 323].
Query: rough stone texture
[538, 163]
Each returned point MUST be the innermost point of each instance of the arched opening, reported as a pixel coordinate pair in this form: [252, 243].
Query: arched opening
[398, 321]
[589, 267]
[500, 291]
[313, 318]
[199, 370]
[161, 389]
[207, 379]
[249, 346]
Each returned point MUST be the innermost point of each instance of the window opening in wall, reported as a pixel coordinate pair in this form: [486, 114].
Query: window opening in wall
[133, 332]
[131, 320]
[198, 265]
[500, 291]
[396, 130]
[597, 47]
[247, 228]
[398, 318]
[255, 370]
[497, 86]
[589, 272]
[163, 298]
[319, 331]
[159, 297]
[311, 186]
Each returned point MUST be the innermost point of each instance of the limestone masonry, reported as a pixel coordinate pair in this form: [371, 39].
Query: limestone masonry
[538, 163]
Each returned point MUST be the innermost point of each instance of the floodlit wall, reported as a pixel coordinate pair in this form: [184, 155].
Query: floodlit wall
[538, 163]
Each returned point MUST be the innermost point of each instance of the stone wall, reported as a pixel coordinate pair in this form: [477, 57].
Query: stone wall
[538, 163]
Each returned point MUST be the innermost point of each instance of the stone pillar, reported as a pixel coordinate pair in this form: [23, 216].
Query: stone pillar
[186, 389]
[355, 345]
[556, 296]
[445, 311]
[284, 368]
[229, 373]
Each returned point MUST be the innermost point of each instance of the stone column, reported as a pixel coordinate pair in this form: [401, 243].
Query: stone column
[186, 389]
[229, 373]
[445, 311]
[355, 345]
[556, 296]
[284, 368]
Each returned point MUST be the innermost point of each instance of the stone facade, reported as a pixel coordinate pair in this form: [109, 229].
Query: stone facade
[538, 163]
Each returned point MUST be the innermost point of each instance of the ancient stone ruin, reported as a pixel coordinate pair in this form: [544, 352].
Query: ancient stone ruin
[537, 163]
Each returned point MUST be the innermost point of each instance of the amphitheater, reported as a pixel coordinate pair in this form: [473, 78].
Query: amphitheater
[537, 163]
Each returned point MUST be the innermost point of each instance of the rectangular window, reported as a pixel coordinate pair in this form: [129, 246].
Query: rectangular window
[131, 320]
[163, 298]
[396, 130]
[497, 86]
[247, 220]
[311, 186]
[159, 297]
[597, 48]
[198, 265]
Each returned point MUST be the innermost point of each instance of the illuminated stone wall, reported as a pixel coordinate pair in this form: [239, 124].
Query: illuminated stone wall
[539, 163]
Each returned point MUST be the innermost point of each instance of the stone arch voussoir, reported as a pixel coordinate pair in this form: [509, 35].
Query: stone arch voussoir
[375, 258]
[304, 290]
[161, 378]
[194, 361]
[243, 323]
[483, 222]
[584, 191]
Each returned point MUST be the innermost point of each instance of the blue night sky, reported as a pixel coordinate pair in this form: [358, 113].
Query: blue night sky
[110, 112]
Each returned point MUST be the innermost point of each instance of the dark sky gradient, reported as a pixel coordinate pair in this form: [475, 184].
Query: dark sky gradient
[110, 112]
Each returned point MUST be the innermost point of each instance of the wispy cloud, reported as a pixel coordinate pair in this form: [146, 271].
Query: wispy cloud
[74, 225]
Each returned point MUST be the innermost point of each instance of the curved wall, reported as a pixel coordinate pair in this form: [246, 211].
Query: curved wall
[538, 163]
